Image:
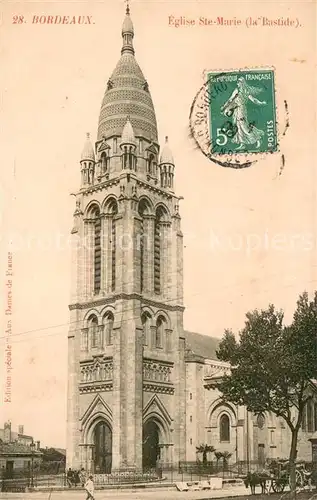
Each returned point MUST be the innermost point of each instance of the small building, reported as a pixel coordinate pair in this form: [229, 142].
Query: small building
[9, 436]
[17, 452]
[17, 458]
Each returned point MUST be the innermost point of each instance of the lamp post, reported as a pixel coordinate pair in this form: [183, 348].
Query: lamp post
[32, 446]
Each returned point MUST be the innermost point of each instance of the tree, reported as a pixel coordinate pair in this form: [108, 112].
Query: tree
[218, 455]
[272, 366]
[226, 455]
[204, 449]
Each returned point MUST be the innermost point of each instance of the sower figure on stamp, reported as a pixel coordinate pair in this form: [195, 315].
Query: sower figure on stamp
[236, 106]
[89, 487]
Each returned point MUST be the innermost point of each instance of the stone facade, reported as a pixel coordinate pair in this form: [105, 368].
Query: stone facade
[126, 346]
[139, 386]
[249, 438]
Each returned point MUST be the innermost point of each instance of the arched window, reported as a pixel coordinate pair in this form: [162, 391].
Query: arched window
[146, 322]
[159, 257]
[224, 427]
[104, 163]
[94, 332]
[94, 216]
[125, 157]
[150, 164]
[142, 210]
[260, 421]
[160, 325]
[108, 328]
[131, 157]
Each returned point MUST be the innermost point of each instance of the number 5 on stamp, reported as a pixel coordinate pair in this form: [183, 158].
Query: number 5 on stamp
[242, 115]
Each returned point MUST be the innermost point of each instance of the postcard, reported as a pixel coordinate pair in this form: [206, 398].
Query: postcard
[158, 186]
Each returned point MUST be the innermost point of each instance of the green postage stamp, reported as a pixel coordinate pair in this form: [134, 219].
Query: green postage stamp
[242, 115]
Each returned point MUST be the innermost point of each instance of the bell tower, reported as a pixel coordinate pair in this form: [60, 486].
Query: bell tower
[126, 370]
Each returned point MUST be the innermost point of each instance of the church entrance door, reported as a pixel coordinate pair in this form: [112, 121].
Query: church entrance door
[102, 448]
[151, 450]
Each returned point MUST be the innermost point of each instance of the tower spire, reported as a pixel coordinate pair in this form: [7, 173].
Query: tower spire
[127, 32]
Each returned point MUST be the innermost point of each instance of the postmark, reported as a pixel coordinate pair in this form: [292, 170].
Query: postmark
[233, 117]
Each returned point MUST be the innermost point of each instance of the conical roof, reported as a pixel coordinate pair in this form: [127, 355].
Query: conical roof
[127, 94]
[127, 133]
[127, 26]
[88, 150]
[166, 154]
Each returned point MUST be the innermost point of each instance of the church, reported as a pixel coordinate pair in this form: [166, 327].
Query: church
[141, 387]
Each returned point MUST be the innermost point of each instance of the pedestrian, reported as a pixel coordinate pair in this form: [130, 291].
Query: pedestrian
[69, 477]
[76, 477]
[89, 487]
[83, 476]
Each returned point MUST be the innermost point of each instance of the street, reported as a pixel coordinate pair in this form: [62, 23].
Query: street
[146, 494]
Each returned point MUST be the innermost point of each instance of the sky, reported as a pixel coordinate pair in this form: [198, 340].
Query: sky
[249, 235]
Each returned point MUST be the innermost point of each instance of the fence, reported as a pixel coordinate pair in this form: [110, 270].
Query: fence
[20, 480]
[169, 473]
[196, 471]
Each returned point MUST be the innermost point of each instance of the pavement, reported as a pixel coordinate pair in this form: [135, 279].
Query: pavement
[170, 493]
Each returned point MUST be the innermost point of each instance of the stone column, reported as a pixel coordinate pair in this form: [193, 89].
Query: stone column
[128, 347]
[106, 253]
[148, 225]
[166, 270]
[247, 436]
[241, 431]
[89, 257]
[152, 340]
[179, 376]
[168, 340]
[90, 461]
[77, 261]
[176, 273]
[101, 337]
[73, 432]
[84, 340]
[313, 441]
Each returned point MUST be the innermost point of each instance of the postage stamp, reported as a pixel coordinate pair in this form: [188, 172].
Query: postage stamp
[233, 117]
[242, 116]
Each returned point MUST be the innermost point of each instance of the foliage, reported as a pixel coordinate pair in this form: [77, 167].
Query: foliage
[52, 461]
[218, 455]
[226, 455]
[52, 455]
[272, 365]
[204, 449]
